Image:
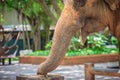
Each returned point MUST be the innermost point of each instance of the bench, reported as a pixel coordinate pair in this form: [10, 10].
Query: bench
[6, 50]
[9, 57]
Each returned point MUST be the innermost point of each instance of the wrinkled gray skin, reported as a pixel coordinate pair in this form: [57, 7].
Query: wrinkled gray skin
[78, 15]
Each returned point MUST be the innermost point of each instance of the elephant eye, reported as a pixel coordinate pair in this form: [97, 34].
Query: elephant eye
[78, 3]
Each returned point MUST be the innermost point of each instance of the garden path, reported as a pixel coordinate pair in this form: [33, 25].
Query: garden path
[74, 72]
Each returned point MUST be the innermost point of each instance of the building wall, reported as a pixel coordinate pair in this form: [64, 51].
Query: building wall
[11, 17]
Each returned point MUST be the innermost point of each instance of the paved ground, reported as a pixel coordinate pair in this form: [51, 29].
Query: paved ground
[75, 72]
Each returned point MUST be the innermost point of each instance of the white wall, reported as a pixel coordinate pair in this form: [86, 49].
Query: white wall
[10, 17]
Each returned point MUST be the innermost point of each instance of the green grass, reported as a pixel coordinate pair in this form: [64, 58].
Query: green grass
[86, 51]
[89, 51]
[38, 53]
[15, 59]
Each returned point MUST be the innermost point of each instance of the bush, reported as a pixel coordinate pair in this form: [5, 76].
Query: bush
[96, 44]
[38, 53]
[86, 51]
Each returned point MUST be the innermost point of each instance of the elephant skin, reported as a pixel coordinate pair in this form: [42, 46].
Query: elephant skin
[86, 16]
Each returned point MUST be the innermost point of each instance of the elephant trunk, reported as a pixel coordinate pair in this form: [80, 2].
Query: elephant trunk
[62, 35]
[57, 53]
[60, 44]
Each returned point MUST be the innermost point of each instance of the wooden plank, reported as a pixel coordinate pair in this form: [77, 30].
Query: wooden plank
[40, 77]
[90, 59]
[75, 60]
[106, 72]
[88, 74]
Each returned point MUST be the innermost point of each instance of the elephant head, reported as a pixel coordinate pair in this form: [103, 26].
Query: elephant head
[86, 16]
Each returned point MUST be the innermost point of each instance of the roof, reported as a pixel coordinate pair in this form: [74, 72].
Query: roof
[17, 27]
[9, 28]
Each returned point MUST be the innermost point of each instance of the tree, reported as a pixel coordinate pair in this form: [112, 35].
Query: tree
[24, 8]
[37, 15]
[55, 6]
[2, 6]
[52, 9]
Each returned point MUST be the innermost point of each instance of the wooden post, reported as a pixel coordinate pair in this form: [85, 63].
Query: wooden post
[3, 61]
[40, 77]
[88, 69]
[9, 60]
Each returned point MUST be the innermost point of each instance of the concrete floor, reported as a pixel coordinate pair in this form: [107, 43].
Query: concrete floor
[74, 72]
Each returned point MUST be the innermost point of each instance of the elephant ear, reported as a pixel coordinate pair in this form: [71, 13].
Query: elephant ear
[113, 4]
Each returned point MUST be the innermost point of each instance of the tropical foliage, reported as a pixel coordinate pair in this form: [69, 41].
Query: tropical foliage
[45, 13]
[96, 44]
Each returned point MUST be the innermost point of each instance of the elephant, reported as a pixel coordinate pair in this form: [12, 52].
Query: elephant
[86, 16]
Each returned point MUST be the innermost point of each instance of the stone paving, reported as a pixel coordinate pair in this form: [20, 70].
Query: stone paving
[75, 72]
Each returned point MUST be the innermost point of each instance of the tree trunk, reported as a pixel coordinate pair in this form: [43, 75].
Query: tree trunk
[37, 41]
[47, 36]
[55, 6]
[27, 36]
[47, 10]
[35, 24]
[24, 36]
